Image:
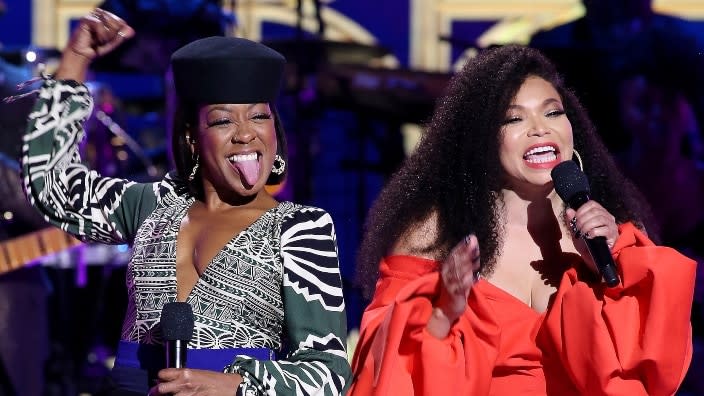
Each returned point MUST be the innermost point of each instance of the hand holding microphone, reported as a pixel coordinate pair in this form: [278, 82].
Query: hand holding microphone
[176, 326]
[590, 221]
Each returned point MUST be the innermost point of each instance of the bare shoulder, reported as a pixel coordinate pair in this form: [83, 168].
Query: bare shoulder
[418, 238]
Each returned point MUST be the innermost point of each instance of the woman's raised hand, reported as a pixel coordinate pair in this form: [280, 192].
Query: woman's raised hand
[97, 34]
[457, 276]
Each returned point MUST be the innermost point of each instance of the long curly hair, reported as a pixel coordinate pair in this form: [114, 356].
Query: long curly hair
[455, 170]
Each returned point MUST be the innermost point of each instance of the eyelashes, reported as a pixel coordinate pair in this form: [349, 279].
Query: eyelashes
[227, 121]
[556, 113]
[262, 116]
[511, 120]
[550, 114]
[223, 121]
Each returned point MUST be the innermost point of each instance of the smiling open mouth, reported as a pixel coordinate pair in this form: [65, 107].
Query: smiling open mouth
[541, 154]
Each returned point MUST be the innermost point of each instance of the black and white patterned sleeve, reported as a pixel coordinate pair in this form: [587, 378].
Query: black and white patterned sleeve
[68, 194]
[314, 313]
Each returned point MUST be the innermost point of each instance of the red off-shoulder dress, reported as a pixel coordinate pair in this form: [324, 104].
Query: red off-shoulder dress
[633, 339]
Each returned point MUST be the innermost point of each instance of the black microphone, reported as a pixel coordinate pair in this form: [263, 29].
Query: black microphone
[572, 186]
[177, 328]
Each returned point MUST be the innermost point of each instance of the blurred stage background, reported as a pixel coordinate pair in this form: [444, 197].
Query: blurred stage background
[362, 77]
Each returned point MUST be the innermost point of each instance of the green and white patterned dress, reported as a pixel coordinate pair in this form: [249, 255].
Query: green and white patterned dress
[274, 285]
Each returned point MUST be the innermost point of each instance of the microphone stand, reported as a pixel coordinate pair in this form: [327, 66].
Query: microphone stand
[113, 127]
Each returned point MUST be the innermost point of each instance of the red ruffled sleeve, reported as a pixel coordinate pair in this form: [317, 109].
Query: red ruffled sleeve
[395, 354]
[632, 339]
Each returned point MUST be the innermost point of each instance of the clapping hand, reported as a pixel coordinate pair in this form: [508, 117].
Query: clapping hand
[457, 276]
[457, 273]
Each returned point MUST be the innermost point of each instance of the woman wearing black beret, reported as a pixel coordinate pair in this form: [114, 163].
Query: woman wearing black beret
[260, 276]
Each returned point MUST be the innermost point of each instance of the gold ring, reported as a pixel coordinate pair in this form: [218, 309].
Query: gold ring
[97, 16]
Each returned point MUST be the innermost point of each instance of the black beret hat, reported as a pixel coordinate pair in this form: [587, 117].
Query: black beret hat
[227, 70]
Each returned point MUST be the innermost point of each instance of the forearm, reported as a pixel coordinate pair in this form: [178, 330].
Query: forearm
[58, 185]
[51, 146]
[407, 348]
[314, 309]
[73, 66]
[590, 322]
[305, 372]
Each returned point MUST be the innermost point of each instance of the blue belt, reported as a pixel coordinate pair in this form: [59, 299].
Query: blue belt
[136, 364]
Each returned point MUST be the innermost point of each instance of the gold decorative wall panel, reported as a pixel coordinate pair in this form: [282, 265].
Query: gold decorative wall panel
[429, 20]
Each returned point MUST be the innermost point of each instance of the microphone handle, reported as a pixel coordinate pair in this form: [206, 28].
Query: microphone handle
[601, 255]
[176, 353]
[598, 248]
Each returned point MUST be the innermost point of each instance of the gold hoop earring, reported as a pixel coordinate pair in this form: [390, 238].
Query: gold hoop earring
[278, 166]
[575, 153]
[195, 168]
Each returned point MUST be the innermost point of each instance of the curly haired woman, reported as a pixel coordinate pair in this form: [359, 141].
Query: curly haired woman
[527, 313]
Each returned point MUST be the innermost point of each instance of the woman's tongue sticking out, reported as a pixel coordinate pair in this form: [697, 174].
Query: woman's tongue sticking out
[248, 169]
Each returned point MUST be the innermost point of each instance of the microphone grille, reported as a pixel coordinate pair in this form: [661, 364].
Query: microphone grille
[177, 321]
[569, 180]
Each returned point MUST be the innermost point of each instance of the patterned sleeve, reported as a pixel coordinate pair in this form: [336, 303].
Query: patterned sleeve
[69, 195]
[314, 312]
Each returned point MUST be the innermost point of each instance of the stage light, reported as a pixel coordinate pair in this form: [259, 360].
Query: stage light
[30, 56]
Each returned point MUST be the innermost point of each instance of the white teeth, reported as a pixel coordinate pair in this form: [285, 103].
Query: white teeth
[243, 157]
[541, 155]
[541, 149]
[542, 159]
